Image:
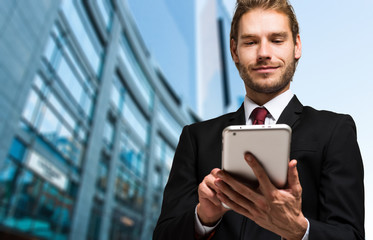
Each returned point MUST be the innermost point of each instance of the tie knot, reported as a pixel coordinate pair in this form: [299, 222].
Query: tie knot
[259, 115]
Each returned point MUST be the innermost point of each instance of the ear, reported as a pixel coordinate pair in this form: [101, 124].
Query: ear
[298, 48]
[233, 47]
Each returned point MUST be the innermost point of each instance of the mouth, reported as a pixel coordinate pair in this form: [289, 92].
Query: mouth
[265, 69]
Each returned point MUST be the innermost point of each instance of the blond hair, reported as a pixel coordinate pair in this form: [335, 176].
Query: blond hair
[283, 6]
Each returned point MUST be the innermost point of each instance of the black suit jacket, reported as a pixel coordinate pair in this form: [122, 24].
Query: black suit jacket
[330, 171]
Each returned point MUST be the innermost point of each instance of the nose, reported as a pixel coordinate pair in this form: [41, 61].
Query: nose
[264, 51]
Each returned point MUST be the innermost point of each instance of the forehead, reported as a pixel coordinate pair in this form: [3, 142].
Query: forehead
[260, 21]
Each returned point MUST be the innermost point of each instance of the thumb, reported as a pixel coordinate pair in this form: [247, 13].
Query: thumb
[293, 178]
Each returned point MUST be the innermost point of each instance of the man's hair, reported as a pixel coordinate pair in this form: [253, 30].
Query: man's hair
[283, 6]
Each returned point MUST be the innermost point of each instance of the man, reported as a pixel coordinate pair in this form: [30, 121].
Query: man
[324, 196]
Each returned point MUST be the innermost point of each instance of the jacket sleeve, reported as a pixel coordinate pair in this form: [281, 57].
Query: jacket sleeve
[180, 195]
[341, 196]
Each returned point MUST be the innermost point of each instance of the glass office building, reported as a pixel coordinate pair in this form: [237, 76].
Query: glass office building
[89, 124]
[195, 35]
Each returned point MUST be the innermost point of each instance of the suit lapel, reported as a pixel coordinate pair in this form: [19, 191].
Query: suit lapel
[291, 113]
[238, 118]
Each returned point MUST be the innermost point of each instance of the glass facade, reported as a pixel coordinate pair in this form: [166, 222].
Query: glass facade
[106, 12]
[128, 56]
[82, 32]
[124, 227]
[31, 204]
[102, 173]
[64, 66]
[91, 147]
[95, 221]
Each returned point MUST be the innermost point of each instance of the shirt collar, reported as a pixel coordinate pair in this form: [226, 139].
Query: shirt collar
[275, 106]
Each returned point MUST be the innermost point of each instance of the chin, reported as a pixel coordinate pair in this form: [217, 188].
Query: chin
[269, 88]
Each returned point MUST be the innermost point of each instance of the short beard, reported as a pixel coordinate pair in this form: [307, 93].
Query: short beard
[284, 80]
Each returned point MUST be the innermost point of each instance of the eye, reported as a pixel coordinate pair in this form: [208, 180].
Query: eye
[278, 41]
[249, 43]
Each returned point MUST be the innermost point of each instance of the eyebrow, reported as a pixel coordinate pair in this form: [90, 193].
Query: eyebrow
[280, 34]
[276, 34]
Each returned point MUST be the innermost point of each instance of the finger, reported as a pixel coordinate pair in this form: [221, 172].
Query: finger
[205, 192]
[215, 171]
[265, 183]
[247, 211]
[210, 179]
[227, 184]
[207, 189]
[240, 194]
[293, 178]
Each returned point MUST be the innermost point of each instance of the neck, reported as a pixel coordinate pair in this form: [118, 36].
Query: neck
[263, 98]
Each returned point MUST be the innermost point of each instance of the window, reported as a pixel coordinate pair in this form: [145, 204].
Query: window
[69, 79]
[95, 221]
[164, 154]
[75, 86]
[51, 119]
[124, 226]
[52, 52]
[9, 173]
[132, 155]
[135, 119]
[108, 136]
[37, 207]
[128, 190]
[58, 134]
[123, 186]
[82, 35]
[72, 75]
[102, 173]
[117, 93]
[138, 76]
[17, 150]
[32, 104]
[62, 111]
[157, 179]
[8, 176]
[106, 11]
[169, 122]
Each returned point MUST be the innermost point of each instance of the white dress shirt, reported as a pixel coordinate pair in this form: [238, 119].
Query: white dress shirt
[274, 107]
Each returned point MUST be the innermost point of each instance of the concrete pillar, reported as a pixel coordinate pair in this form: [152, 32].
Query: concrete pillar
[88, 179]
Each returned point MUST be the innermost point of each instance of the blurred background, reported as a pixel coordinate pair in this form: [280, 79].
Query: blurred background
[94, 95]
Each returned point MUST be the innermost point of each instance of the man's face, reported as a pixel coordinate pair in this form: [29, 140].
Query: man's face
[265, 52]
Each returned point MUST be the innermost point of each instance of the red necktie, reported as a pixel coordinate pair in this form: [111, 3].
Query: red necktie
[258, 115]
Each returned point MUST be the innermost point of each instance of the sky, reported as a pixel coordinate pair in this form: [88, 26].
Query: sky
[334, 72]
[167, 27]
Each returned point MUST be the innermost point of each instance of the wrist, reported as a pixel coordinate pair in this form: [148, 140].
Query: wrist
[302, 229]
[299, 231]
[206, 220]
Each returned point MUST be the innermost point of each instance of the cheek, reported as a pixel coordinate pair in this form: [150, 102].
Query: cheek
[284, 53]
[246, 57]
[285, 57]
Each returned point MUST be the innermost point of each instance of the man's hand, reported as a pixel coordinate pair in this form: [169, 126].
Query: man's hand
[278, 210]
[209, 209]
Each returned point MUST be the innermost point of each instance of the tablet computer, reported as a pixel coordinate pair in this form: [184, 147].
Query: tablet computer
[270, 144]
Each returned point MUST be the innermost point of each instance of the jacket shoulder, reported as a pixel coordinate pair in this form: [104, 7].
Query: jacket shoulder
[216, 124]
[323, 114]
[326, 120]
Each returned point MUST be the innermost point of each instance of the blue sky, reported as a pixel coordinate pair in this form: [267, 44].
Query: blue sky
[167, 27]
[333, 73]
